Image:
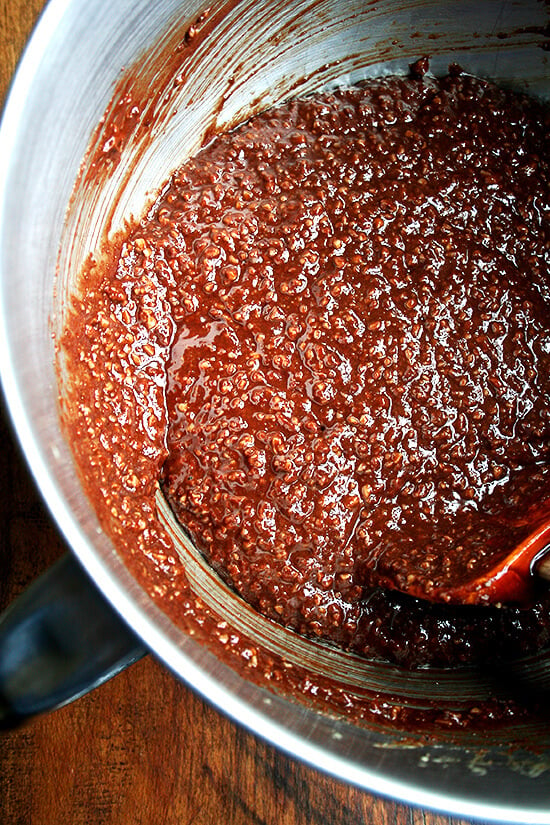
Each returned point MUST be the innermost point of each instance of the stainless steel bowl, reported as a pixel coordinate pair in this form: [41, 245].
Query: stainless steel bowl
[244, 57]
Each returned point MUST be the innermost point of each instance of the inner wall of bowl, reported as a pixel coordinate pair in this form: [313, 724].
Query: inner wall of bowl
[236, 60]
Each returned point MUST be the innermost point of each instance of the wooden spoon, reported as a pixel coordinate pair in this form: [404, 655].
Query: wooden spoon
[512, 581]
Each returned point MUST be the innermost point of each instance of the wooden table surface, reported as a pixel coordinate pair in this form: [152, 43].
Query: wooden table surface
[143, 749]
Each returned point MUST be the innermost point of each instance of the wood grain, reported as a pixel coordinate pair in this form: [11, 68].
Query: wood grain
[143, 749]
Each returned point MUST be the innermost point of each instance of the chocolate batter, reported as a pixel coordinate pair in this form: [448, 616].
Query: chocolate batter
[330, 342]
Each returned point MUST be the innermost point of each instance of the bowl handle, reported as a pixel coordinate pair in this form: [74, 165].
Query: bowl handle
[58, 640]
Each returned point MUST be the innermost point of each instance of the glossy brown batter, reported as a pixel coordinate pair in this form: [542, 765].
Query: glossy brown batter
[330, 341]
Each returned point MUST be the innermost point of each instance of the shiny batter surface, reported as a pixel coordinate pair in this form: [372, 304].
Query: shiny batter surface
[330, 342]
